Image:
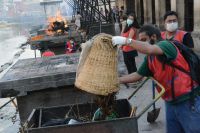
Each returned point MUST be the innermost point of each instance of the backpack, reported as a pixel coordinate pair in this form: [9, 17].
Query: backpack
[192, 59]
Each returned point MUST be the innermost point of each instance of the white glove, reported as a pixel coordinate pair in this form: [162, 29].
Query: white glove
[119, 40]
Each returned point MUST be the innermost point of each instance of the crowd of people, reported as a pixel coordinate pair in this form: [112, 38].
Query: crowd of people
[166, 62]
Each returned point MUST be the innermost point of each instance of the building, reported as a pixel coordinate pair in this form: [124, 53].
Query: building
[152, 11]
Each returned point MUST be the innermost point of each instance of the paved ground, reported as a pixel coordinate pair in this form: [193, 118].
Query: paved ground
[141, 99]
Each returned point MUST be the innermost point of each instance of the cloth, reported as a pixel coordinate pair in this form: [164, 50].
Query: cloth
[168, 49]
[126, 34]
[70, 47]
[129, 60]
[98, 115]
[186, 38]
[171, 54]
[188, 41]
[48, 54]
[184, 117]
[78, 20]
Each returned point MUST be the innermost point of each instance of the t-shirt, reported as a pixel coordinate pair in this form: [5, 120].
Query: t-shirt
[169, 51]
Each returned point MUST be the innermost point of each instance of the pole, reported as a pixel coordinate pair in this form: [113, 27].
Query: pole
[35, 53]
[7, 102]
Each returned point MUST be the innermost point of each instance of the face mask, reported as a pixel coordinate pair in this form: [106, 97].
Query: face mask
[71, 41]
[171, 27]
[129, 22]
[152, 41]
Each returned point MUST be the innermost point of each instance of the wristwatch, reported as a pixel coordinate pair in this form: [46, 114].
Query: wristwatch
[129, 41]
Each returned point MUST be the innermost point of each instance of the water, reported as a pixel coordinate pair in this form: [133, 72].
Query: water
[11, 38]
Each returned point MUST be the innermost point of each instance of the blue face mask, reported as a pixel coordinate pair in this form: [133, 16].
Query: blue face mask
[129, 22]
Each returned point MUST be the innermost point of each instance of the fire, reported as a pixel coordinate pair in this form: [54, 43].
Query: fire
[56, 24]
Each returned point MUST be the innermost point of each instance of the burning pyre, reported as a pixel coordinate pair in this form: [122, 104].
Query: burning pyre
[57, 25]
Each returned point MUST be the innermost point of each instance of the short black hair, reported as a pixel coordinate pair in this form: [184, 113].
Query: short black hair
[150, 30]
[170, 13]
[124, 17]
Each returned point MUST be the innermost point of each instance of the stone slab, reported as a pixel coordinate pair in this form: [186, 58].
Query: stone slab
[37, 74]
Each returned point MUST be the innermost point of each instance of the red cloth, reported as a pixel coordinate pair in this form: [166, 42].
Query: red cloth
[70, 48]
[129, 48]
[48, 54]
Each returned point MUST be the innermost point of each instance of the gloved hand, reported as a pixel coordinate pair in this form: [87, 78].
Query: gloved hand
[119, 40]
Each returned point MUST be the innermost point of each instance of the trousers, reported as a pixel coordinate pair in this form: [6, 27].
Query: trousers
[183, 117]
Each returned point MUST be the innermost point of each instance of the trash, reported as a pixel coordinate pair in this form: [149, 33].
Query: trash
[73, 121]
[54, 122]
[98, 115]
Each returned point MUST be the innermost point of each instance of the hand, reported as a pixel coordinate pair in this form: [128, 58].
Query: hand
[119, 40]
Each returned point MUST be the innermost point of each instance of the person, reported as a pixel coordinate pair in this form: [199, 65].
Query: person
[48, 53]
[129, 52]
[173, 33]
[114, 10]
[70, 46]
[78, 21]
[102, 12]
[123, 23]
[117, 15]
[182, 115]
[122, 12]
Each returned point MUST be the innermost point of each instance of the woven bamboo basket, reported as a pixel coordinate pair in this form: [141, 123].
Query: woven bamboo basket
[99, 74]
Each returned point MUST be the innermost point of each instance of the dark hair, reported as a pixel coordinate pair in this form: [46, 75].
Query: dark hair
[71, 38]
[134, 25]
[170, 13]
[78, 12]
[150, 30]
[124, 17]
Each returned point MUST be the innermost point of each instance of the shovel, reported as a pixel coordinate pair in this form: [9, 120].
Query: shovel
[153, 115]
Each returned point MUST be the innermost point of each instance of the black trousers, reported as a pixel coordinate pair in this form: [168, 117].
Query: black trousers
[129, 60]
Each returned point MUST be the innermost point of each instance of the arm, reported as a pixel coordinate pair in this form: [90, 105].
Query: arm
[131, 33]
[140, 46]
[133, 77]
[146, 48]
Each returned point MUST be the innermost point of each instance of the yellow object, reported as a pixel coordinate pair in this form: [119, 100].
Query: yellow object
[98, 74]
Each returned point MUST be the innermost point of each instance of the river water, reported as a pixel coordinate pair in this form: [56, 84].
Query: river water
[12, 36]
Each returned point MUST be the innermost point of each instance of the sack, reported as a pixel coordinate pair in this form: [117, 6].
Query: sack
[192, 60]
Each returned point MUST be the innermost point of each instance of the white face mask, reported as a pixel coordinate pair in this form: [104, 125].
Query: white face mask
[129, 22]
[171, 27]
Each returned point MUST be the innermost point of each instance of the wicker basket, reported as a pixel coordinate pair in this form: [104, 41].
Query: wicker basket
[99, 71]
